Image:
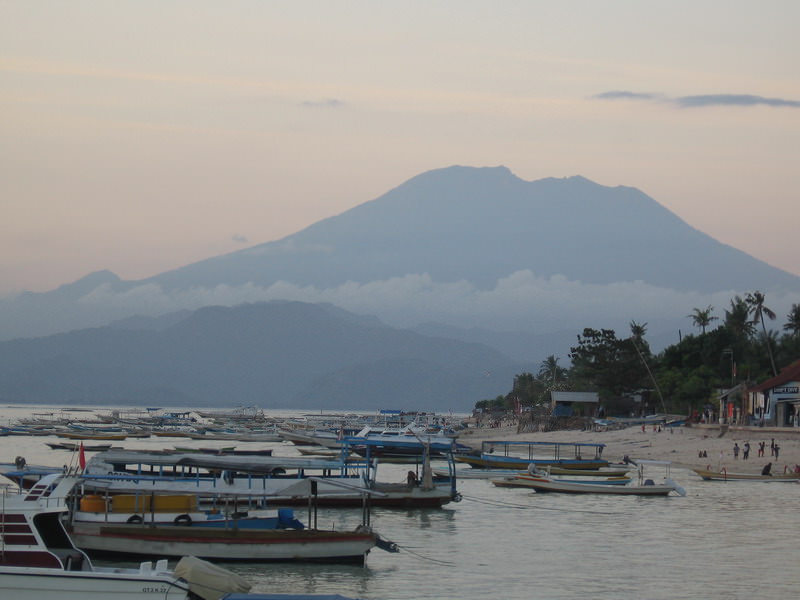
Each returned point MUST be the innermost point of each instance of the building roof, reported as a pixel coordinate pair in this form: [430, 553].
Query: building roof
[592, 397]
[787, 374]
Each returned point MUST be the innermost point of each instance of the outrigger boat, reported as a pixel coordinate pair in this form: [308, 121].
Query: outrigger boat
[724, 475]
[522, 480]
[474, 473]
[519, 455]
[643, 487]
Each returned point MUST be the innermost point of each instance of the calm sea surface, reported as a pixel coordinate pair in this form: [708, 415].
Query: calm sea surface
[723, 540]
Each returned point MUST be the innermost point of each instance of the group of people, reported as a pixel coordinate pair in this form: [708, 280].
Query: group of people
[745, 449]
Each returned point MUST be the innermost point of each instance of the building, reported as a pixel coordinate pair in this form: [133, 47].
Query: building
[776, 401]
[564, 404]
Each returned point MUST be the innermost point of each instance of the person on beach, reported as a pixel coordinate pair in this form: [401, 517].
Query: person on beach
[745, 450]
[772, 447]
[761, 446]
[767, 469]
[775, 451]
[735, 450]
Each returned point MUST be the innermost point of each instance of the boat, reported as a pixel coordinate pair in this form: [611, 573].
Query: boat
[223, 543]
[39, 561]
[163, 509]
[100, 436]
[72, 447]
[405, 444]
[724, 475]
[522, 480]
[475, 473]
[519, 455]
[25, 475]
[642, 487]
[279, 481]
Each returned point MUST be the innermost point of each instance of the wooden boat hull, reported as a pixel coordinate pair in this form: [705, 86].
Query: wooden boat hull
[113, 437]
[522, 481]
[521, 464]
[544, 485]
[223, 544]
[725, 476]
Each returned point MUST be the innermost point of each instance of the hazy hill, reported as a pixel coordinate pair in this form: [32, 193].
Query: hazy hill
[279, 354]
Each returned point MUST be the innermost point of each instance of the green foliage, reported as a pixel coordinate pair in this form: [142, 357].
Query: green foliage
[688, 374]
[610, 366]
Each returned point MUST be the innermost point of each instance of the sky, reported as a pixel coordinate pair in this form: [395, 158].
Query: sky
[140, 136]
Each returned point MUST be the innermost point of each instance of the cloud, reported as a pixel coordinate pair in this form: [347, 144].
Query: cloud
[521, 301]
[699, 101]
[732, 100]
[624, 95]
[326, 103]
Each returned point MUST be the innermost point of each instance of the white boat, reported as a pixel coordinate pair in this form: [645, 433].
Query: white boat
[39, 561]
[523, 480]
[643, 487]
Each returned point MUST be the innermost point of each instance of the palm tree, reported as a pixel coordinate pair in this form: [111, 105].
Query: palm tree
[737, 319]
[702, 317]
[638, 330]
[549, 371]
[793, 321]
[755, 303]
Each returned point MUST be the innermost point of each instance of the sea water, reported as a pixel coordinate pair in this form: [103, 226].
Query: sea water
[722, 540]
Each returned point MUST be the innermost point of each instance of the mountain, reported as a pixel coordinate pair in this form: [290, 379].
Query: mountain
[273, 355]
[488, 256]
[482, 224]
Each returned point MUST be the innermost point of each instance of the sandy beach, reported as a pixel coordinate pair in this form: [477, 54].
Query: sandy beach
[680, 445]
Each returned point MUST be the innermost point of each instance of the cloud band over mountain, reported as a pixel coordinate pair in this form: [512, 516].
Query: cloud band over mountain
[699, 101]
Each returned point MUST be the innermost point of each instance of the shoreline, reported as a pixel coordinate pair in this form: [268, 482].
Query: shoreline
[680, 445]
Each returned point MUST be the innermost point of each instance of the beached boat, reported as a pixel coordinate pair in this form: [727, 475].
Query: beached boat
[519, 455]
[99, 436]
[39, 561]
[73, 447]
[724, 475]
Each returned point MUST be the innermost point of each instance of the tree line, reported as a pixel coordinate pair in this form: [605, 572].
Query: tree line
[682, 378]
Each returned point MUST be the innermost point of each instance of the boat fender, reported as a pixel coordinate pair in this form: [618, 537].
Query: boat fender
[386, 545]
[183, 519]
[135, 519]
